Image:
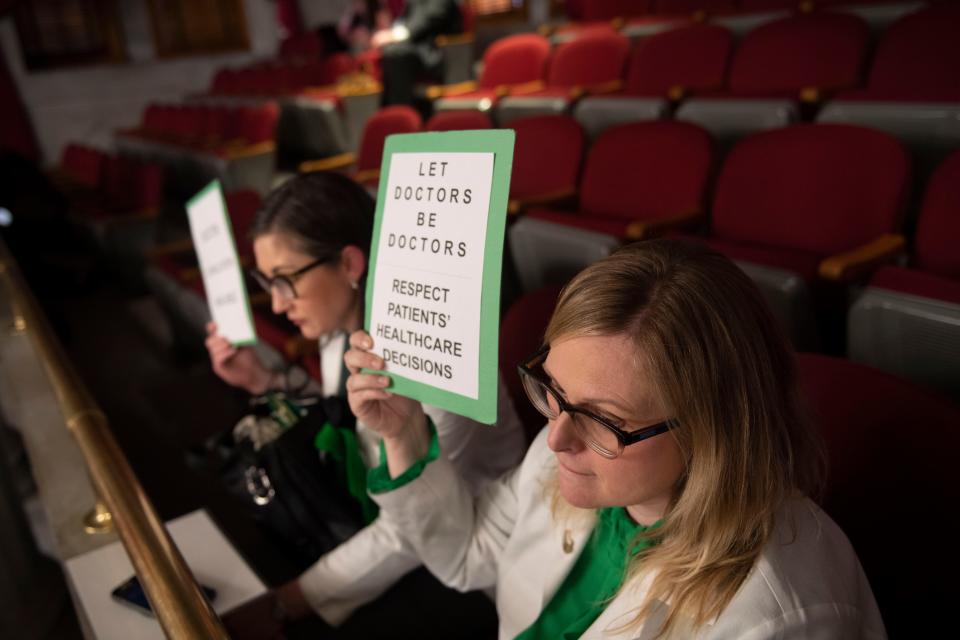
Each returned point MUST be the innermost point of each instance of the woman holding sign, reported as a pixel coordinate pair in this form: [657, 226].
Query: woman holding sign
[667, 496]
[311, 241]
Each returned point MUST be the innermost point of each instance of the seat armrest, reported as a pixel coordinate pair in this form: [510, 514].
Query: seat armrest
[367, 176]
[248, 151]
[604, 87]
[449, 90]
[452, 39]
[857, 263]
[184, 245]
[333, 163]
[640, 230]
[525, 87]
[568, 196]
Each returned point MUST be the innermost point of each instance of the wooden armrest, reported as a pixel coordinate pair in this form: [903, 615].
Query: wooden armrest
[183, 245]
[648, 228]
[451, 39]
[807, 6]
[605, 87]
[298, 347]
[189, 274]
[546, 30]
[328, 164]
[526, 87]
[367, 176]
[699, 16]
[676, 93]
[446, 90]
[811, 95]
[516, 206]
[258, 149]
[618, 23]
[858, 262]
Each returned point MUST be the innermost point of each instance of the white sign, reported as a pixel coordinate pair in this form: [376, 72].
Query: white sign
[425, 316]
[220, 267]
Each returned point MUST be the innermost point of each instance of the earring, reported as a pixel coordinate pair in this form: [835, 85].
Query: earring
[354, 285]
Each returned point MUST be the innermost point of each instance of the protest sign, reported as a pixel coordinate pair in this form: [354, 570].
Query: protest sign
[433, 290]
[219, 266]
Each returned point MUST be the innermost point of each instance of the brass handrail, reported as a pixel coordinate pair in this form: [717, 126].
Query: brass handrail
[176, 598]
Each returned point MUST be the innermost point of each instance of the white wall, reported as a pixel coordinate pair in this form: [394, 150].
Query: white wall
[87, 104]
[319, 12]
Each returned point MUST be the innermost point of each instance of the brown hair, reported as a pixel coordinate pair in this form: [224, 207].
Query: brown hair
[728, 376]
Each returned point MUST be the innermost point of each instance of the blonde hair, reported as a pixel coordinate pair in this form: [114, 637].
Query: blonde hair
[728, 376]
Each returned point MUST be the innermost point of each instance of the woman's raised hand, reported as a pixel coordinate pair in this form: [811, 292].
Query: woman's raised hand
[390, 415]
[237, 366]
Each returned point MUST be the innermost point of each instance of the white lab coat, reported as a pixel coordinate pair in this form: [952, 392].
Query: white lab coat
[807, 582]
[366, 565]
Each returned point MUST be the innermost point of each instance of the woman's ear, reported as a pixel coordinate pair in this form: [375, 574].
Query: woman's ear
[353, 262]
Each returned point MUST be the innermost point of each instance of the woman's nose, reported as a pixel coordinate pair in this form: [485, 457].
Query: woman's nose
[278, 303]
[563, 434]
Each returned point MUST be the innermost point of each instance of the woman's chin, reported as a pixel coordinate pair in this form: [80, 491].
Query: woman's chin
[307, 330]
[575, 494]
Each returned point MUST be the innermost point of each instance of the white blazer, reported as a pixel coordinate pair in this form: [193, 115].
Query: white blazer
[807, 582]
[371, 561]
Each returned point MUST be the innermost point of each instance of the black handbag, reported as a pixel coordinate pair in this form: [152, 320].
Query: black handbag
[290, 487]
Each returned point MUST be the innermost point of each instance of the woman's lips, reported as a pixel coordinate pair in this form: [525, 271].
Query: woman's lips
[570, 470]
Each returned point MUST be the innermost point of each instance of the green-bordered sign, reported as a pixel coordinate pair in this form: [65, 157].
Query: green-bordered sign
[433, 292]
[219, 265]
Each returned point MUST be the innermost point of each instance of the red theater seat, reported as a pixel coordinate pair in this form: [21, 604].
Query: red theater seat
[810, 204]
[662, 68]
[592, 63]
[639, 178]
[511, 63]
[461, 120]
[913, 90]
[778, 65]
[908, 319]
[546, 160]
[890, 443]
[521, 334]
[364, 166]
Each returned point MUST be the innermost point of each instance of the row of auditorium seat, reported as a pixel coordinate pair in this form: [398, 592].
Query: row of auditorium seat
[197, 144]
[282, 77]
[208, 127]
[103, 186]
[802, 58]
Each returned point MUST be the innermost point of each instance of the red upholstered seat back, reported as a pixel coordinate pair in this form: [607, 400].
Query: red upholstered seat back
[83, 165]
[892, 450]
[678, 7]
[592, 58]
[823, 188]
[596, 10]
[385, 122]
[515, 60]
[825, 50]
[919, 51]
[646, 170]
[937, 246]
[459, 120]
[766, 5]
[521, 334]
[258, 124]
[547, 155]
[693, 57]
[243, 207]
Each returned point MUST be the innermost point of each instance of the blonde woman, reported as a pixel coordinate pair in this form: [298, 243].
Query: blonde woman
[667, 496]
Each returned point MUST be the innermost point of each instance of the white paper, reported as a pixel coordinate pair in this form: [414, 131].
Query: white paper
[211, 557]
[425, 317]
[220, 267]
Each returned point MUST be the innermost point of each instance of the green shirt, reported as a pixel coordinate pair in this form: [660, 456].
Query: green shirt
[594, 579]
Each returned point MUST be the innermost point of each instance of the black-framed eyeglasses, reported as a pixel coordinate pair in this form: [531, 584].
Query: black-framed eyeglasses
[599, 433]
[283, 283]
